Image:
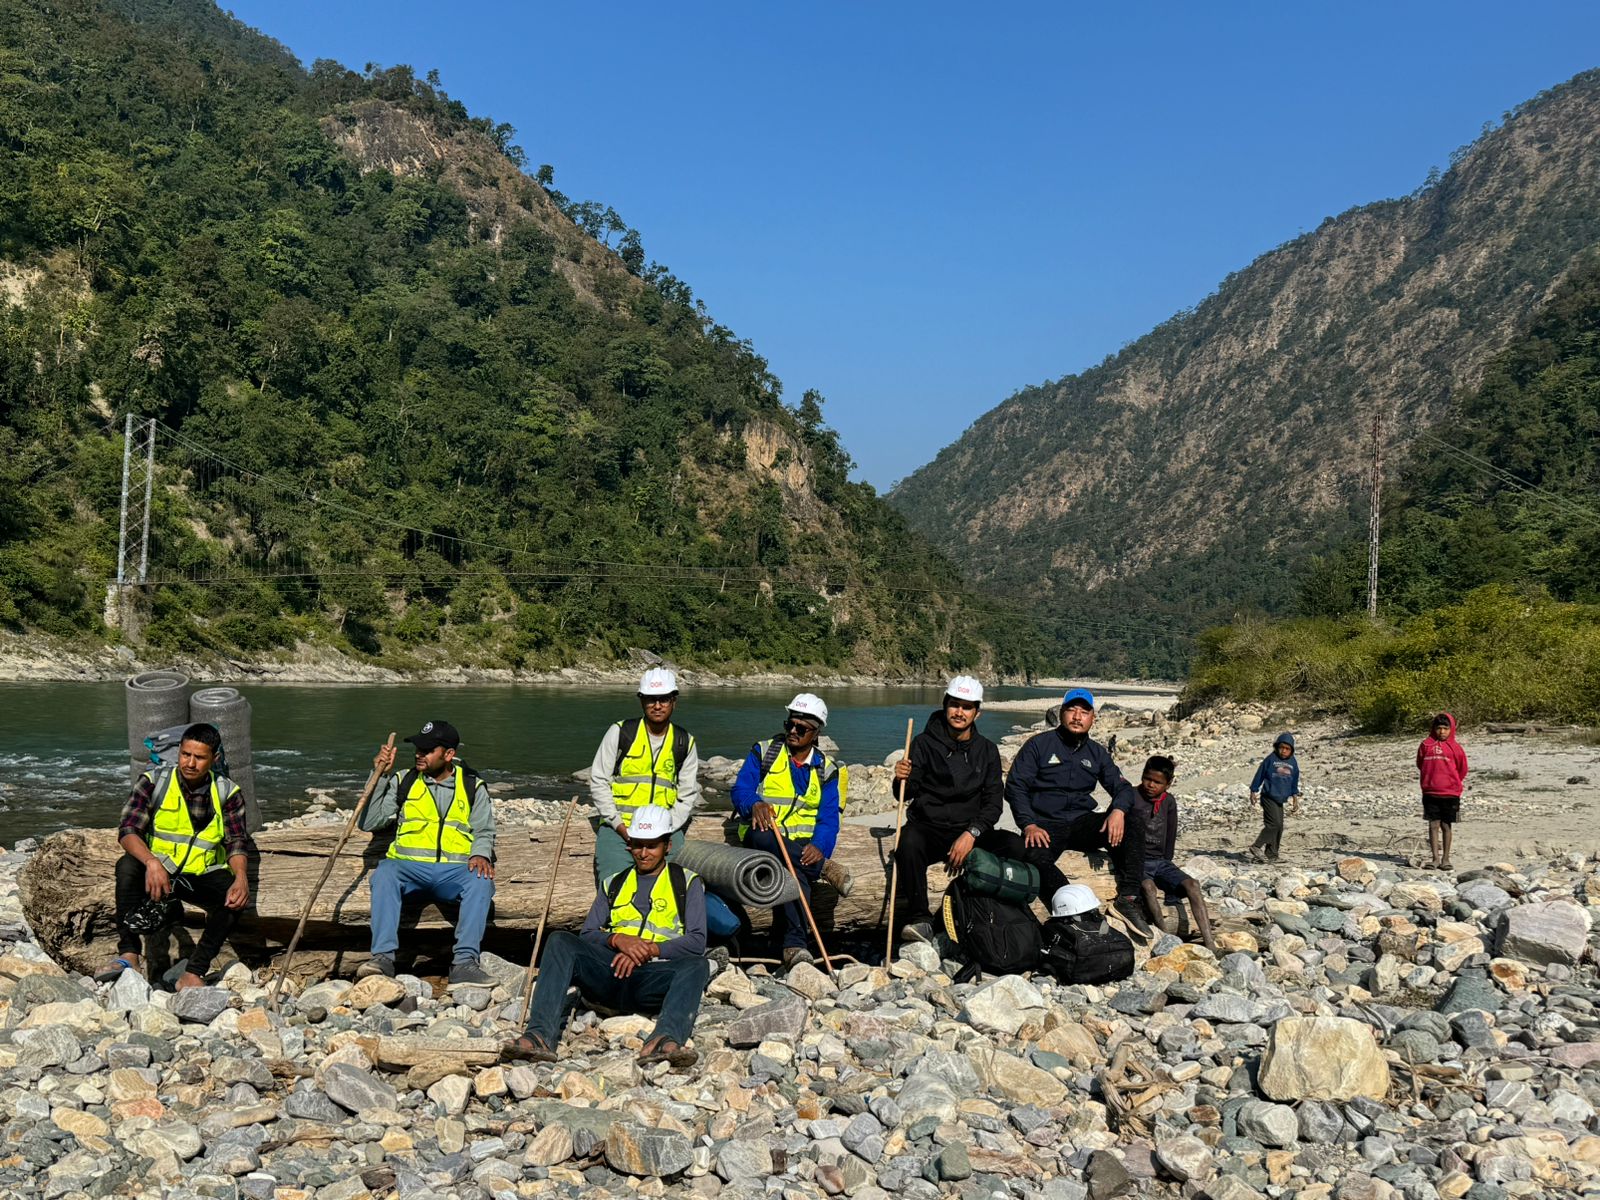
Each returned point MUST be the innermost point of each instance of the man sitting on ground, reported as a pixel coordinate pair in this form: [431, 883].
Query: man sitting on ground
[642, 949]
[183, 835]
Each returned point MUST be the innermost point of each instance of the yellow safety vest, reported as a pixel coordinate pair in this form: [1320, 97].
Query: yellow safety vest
[664, 921]
[797, 813]
[640, 778]
[173, 838]
[422, 836]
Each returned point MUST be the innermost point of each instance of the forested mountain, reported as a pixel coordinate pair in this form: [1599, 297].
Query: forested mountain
[1195, 473]
[412, 403]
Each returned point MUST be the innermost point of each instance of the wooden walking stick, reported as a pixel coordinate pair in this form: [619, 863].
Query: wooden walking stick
[549, 895]
[894, 873]
[783, 849]
[327, 869]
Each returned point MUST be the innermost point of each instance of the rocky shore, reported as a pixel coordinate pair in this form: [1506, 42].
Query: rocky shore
[1367, 1030]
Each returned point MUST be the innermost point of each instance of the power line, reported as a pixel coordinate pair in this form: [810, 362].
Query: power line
[1499, 473]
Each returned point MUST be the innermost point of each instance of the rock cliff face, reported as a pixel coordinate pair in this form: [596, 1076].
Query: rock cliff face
[1189, 473]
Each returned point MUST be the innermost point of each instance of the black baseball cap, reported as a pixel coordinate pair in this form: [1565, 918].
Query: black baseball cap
[434, 734]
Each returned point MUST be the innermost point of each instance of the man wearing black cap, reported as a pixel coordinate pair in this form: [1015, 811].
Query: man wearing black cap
[443, 847]
[1051, 793]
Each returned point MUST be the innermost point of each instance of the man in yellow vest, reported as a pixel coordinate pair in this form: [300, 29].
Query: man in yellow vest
[642, 949]
[183, 837]
[648, 760]
[788, 787]
[443, 848]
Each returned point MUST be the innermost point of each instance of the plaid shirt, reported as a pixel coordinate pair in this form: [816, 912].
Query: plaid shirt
[140, 810]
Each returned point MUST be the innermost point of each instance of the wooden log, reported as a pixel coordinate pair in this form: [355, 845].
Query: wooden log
[67, 892]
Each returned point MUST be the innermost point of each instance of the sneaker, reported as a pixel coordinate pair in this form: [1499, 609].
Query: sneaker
[838, 877]
[470, 972]
[378, 964]
[1257, 853]
[917, 931]
[1132, 911]
[793, 956]
[719, 957]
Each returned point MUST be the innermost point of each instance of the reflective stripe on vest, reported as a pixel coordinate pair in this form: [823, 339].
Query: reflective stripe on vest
[797, 813]
[173, 838]
[664, 921]
[422, 836]
[643, 778]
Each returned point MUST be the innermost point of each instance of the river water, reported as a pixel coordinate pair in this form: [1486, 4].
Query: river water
[64, 762]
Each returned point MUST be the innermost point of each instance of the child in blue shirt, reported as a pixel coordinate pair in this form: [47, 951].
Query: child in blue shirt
[1277, 783]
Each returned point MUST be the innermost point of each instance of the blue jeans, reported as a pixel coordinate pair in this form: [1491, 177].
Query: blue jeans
[789, 920]
[672, 988]
[395, 879]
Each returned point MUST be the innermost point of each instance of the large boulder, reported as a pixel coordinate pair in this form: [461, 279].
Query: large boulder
[1555, 931]
[1322, 1058]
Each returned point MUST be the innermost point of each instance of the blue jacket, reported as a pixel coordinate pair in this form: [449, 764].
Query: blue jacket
[1277, 778]
[1053, 779]
[747, 792]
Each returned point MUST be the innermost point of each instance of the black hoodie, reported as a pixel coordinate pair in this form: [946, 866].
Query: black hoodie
[954, 783]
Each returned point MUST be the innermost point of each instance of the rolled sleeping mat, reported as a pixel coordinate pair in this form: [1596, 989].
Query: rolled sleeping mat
[156, 700]
[750, 876]
[229, 711]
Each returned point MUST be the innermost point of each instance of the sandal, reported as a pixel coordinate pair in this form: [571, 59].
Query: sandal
[679, 1058]
[114, 971]
[530, 1047]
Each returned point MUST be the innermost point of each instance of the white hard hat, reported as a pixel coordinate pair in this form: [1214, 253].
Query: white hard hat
[1069, 900]
[965, 687]
[808, 705]
[651, 822]
[658, 681]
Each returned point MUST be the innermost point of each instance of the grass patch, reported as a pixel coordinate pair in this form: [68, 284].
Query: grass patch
[1499, 654]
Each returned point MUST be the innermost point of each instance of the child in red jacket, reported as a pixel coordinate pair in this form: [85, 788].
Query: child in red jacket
[1442, 764]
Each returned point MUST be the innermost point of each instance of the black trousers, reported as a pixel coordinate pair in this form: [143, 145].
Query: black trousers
[208, 891]
[1271, 827]
[1083, 833]
[921, 845]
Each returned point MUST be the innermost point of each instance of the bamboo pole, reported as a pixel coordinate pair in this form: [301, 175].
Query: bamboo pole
[305, 915]
[894, 873]
[549, 896]
[804, 903]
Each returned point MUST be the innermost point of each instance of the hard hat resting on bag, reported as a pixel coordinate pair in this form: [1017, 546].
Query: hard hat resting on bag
[658, 681]
[807, 705]
[965, 687]
[650, 822]
[1072, 899]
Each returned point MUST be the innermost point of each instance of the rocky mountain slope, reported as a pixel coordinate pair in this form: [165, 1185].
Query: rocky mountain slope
[1189, 474]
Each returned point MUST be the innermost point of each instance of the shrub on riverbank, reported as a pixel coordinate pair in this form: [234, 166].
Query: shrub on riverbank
[1498, 654]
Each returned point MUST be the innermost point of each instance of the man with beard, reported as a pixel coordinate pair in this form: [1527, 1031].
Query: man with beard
[952, 783]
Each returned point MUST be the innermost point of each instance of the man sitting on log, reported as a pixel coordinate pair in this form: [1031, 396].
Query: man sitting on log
[648, 760]
[443, 848]
[183, 836]
[789, 788]
[642, 949]
[952, 780]
[1051, 793]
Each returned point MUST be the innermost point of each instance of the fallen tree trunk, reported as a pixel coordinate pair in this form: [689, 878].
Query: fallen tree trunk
[67, 893]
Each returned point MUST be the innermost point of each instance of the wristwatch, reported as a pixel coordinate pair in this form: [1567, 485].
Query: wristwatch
[974, 831]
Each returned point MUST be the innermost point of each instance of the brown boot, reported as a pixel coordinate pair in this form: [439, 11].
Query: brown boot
[838, 877]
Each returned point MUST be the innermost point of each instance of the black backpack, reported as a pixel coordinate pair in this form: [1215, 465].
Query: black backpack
[989, 933]
[1085, 949]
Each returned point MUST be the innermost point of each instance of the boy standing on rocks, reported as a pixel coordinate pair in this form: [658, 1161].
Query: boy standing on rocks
[1277, 783]
[1442, 763]
[1160, 809]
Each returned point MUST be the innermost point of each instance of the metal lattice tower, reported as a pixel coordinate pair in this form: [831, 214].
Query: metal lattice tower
[138, 480]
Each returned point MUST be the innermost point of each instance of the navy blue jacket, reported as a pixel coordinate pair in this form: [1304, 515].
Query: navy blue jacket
[1277, 778]
[1054, 775]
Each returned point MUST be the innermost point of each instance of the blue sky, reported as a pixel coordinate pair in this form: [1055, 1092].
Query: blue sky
[919, 208]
